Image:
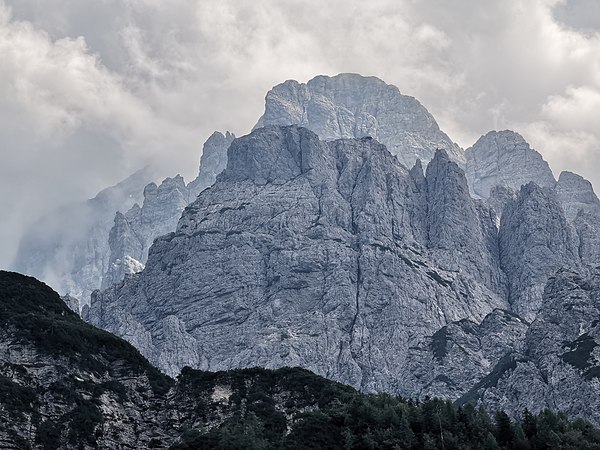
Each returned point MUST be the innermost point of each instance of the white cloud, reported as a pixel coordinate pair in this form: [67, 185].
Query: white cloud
[90, 90]
[578, 108]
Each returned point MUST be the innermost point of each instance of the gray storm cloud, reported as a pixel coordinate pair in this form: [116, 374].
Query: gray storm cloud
[91, 91]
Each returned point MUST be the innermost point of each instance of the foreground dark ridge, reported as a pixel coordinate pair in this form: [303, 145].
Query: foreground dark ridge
[65, 384]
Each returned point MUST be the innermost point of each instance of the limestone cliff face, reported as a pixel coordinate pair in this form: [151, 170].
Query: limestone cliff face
[535, 241]
[353, 106]
[504, 158]
[558, 362]
[69, 249]
[461, 232]
[133, 232]
[309, 253]
[212, 162]
[575, 193]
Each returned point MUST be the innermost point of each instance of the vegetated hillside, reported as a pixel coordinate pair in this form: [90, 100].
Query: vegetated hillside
[66, 384]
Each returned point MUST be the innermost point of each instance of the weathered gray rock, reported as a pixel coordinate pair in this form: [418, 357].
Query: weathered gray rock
[500, 196]
[307, 253]
[504, 158]
[69, 249]
[582, 210]
[587, 226]
[212, 162]
[461, 231]
[455, 358]
[559, 366]
[535, 241]
[575, 193]
[133, 232]
[352, 106]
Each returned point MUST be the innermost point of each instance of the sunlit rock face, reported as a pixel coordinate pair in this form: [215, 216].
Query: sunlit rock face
[134, 231]
[212, 162]
[504, 158]
[327, 255]
[353, 106]
[535, 241]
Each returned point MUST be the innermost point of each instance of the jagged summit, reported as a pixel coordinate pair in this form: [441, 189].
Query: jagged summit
[307, 252]
[354, 106]
[212, 162]
[331, 255]
[576, 193]
[69, 247]
[504, 158]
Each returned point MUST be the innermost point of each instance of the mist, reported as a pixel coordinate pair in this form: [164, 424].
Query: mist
[92, 91]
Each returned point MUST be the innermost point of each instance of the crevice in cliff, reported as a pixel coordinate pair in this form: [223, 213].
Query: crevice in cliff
[355, 231]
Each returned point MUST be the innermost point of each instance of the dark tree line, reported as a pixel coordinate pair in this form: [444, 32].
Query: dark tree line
[387, 422]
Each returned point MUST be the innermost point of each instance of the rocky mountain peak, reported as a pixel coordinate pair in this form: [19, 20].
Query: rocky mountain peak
[354, 106]
[535, 241]
[448, 199]
[307, 244]
[212, 161]
[576, 193]
[504, 158]
[272, 155]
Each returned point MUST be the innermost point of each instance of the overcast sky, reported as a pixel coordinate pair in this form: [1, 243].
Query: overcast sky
[91, 90]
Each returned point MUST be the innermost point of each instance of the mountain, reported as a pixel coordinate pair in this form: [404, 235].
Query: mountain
[327, 255]
[330, 255]
[69, 247]
[65, 384]
[576, 193]
[91, 245]
[134, 231]
[353, 106]
[504, 158]
[212, 162]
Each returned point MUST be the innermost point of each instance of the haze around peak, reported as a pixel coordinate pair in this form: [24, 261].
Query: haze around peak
[92, 91]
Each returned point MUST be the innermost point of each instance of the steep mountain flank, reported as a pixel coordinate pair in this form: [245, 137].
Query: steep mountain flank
[504, 158]
[352, 106]
[310, 253]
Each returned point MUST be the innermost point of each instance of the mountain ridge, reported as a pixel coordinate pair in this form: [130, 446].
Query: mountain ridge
[99, 392]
